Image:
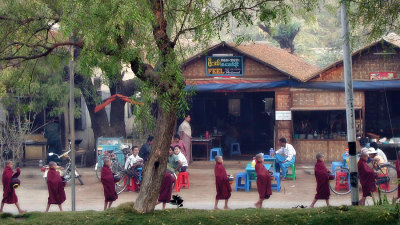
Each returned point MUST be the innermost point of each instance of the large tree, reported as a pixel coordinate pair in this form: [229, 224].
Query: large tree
[145, 34]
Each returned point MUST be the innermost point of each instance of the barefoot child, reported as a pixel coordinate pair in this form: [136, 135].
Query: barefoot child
[9, 196]
[322, 177]
[107, 179]
[221, 182]
[263, 181]
[55, 186]
[166, 188]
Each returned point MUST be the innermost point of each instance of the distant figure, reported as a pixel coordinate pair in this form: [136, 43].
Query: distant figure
[379, 151]
[145, 150]
[285, 156]
[107, 179]
[55, 186]
[322, 178]
[367, 177]
[52, 133]
[181, 158]
[9, 196]
[222, 184]
[166, 188]
[263, 181]
[177, 141]
[185, 133]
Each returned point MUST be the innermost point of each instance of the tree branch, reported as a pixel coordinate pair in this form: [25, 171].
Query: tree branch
[183, 22]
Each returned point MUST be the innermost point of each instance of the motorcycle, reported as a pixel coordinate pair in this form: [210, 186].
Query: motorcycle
[66, 172]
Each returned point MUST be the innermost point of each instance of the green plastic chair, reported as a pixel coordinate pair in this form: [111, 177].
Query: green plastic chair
[293, 174]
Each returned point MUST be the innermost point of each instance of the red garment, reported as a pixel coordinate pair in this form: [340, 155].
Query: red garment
[322, 177]
[166, 187]
[56, 187]
[398, 175]
[367, 178]
[263, 181]
[9, 195]
[221, 182]
[107, 179]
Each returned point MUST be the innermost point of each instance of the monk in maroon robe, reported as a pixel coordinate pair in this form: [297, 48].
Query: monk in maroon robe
[367, 177]
[55, 186]
[398, 175]
[263, 181]
[221, 182]
[107, 179]
[322, 178]
[9, 196]
[166, 188]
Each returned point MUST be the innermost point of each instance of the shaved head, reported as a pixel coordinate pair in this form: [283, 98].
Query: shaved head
[52, 163]
[319, 156]
[218, 157]
[8, 162]
[106, 160]
[259, 156]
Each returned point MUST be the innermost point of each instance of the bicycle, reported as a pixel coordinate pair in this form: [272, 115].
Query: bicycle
[386, 179]
[115, 165]
[67, 174]
[134, 172]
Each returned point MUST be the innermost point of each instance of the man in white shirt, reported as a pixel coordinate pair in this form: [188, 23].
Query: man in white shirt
[379, 151]
[285, 157]
[133, 159]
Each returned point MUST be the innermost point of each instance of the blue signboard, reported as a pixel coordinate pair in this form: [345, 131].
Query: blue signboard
[224, 66]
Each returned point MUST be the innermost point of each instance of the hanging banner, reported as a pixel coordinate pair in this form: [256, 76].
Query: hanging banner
[381, 76]
[224, 66]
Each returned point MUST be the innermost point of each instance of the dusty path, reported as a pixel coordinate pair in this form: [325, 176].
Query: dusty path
[33, 192]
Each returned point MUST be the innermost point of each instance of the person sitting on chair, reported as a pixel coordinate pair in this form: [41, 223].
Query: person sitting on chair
[134, 158]
[285, 157]
[379, 151]
[181, 158]
[173, 160]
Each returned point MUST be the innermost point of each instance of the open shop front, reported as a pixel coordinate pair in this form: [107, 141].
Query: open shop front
[382, 115]
[235, 117]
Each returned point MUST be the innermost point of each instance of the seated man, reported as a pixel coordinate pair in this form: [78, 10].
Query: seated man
[379, 151]
[181, 158]
[375, 159]
[133, 159]
[367, 177]
[173, 160]
[285, 157]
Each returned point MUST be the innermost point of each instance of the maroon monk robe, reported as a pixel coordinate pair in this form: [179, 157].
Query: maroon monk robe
[56, 187]
[322, 177]
[367, 178]
[166, 187]
[221, 182]
[107, 179]
[398, 175]
[9, 195]
[263, 181]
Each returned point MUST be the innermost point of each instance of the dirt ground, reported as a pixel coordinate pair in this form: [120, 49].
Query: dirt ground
[33, 192]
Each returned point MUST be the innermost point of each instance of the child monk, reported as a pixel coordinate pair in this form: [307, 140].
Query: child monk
[9, 196]
[107, 179]
[367, 177]
[322, 177]
[166, 188]
[221, 182]
[263, 181]
[55, 186]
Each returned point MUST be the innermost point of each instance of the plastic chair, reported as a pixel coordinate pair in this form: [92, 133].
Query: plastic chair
[132, 186]
[384, 186]
[182, 181]
[277, 186]
[241, 180]
[233, 151]
[217, 151]
[293, 174]
[336, 165]
[342, 181]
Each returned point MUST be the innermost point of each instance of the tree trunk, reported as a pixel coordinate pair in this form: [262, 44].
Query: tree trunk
[156, 165]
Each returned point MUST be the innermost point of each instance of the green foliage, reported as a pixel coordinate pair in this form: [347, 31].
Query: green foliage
[125, 214]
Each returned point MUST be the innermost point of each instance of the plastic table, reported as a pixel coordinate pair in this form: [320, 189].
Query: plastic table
[249, 171]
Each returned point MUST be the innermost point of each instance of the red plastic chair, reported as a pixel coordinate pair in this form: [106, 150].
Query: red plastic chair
[133, 186]
[385, 186]
[342, 181]
[182, 181]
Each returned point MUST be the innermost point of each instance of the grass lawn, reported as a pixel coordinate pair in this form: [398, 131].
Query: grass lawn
[124, 214]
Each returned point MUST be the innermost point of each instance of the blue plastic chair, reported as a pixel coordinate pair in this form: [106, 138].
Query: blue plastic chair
[241, 181]
[217, 151]
[234, 151]
[277, 186]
